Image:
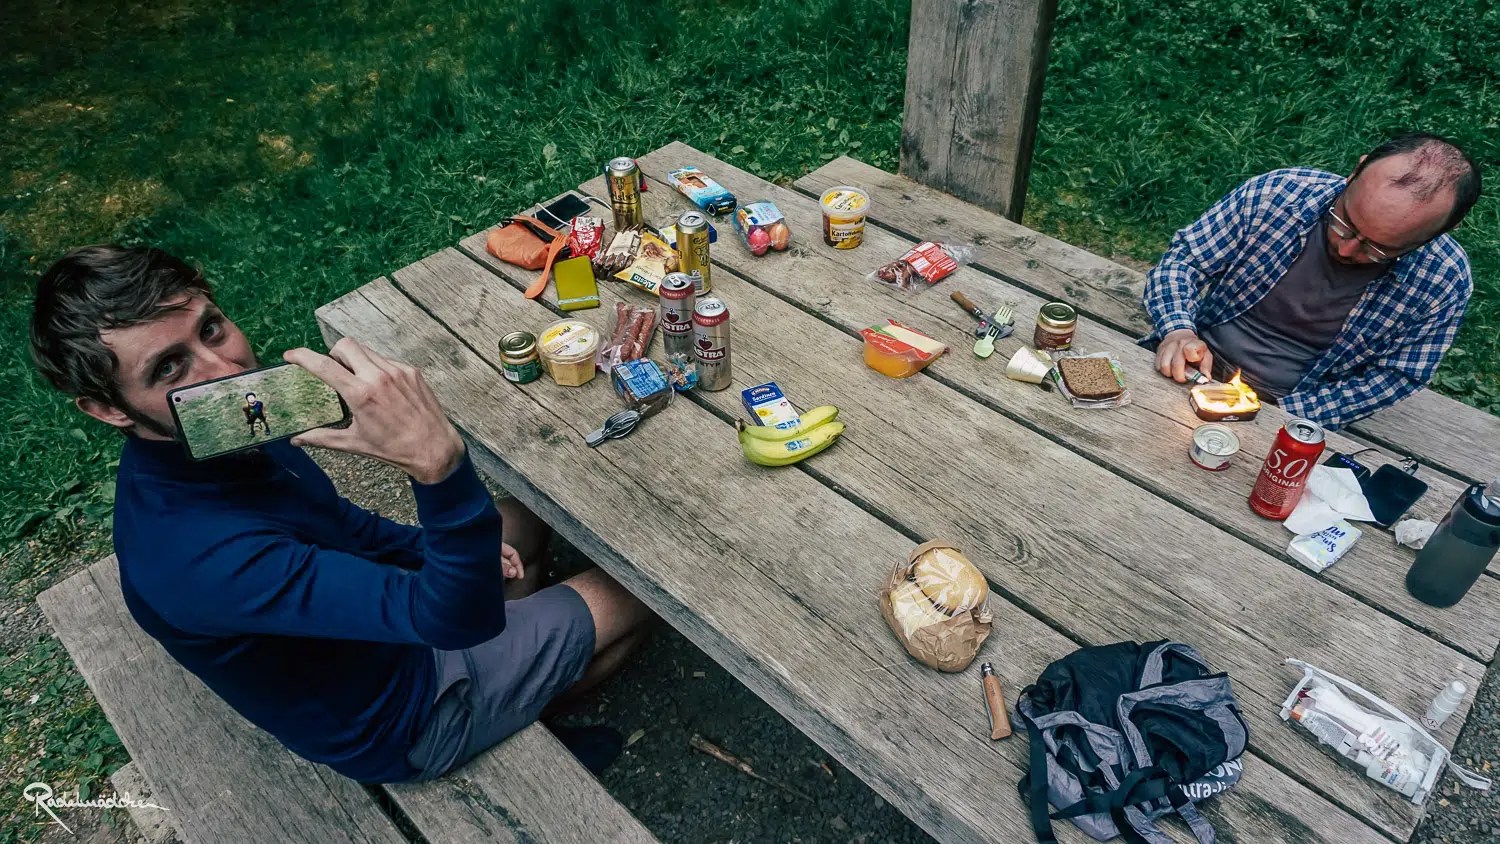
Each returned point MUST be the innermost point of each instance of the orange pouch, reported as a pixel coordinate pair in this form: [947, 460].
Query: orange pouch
[516, 242]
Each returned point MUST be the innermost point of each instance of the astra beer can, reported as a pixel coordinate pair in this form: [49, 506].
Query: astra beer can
[711, 343]
[676, 316]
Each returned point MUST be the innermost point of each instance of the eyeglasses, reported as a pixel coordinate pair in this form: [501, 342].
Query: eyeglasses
[1345, 230]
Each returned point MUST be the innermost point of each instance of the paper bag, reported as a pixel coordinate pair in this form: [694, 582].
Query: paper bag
[947, 645]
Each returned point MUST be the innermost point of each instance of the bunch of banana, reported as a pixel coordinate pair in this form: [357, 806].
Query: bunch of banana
[816, 430]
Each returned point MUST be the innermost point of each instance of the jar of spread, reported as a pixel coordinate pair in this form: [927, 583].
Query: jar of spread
[1055, 323]
[569, 349]
[518, 357]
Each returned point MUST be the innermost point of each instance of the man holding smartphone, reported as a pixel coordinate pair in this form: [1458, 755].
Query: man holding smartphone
[384, 651]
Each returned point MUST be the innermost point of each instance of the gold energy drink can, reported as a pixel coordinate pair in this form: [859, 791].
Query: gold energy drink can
[692, 249]
[623, 176]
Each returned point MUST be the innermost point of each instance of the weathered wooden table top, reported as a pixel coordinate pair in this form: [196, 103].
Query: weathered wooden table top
[1092, 526]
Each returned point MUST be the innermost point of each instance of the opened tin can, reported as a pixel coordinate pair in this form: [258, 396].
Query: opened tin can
[1214, 446]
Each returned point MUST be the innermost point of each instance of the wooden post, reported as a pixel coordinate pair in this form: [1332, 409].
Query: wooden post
[973, 90]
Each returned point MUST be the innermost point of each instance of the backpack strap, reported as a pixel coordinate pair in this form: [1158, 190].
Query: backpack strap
[1033, 786]
[1188, 811]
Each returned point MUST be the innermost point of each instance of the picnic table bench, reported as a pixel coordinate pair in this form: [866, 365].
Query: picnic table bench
[1090, 526]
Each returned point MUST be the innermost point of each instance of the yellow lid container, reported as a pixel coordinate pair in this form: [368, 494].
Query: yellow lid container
[569, 349]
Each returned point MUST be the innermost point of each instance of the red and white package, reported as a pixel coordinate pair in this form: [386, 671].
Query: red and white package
[586, 237]
[928, 261]
[634, 327]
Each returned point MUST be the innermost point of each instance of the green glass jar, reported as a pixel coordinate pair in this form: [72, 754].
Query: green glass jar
[518, 357]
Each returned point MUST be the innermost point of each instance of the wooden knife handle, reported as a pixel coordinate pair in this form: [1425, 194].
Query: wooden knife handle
[963, 301]
[994, 698]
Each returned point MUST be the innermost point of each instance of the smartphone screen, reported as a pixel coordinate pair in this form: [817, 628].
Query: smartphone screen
[252, 408]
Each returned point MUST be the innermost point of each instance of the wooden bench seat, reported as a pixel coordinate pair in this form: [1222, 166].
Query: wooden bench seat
[224, 781]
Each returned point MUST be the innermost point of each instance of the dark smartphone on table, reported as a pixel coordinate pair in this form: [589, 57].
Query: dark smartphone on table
[1391, 492]
[561, 211]
[250, 409]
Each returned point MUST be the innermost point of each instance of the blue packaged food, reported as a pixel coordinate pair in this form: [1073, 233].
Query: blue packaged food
[705, 193]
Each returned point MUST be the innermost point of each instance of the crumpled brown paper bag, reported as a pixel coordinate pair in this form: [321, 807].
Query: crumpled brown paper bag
[947, 645]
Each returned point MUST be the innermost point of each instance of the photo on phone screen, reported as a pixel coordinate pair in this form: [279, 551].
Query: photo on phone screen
[252, 408]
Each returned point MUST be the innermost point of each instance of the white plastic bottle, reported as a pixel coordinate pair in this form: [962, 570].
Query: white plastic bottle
[1445, 704]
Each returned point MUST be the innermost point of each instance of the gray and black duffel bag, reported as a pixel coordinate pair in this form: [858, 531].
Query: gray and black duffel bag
[1123, 734]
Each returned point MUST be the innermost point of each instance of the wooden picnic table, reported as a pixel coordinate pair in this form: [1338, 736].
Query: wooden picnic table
[1091, 526]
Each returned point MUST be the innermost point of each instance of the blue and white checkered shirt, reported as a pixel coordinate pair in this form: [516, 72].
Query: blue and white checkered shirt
[1220, 266]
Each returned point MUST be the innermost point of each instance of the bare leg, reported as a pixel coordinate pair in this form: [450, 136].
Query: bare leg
[529, 535]
[622, 624]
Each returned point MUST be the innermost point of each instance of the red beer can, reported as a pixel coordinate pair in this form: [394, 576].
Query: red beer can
[1283, 476]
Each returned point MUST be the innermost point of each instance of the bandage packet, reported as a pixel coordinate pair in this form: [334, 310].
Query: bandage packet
[1320, 550]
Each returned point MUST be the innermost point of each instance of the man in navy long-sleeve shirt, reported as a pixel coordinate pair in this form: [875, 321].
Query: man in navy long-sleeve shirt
[385, 651]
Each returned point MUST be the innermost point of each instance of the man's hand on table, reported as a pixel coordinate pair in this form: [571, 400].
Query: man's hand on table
[396, 418]
[1179, 350]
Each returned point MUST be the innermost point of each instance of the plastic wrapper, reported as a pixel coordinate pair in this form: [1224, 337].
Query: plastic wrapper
[763, 227]
[642, 386]
[622, 249]
[927, 262]
[937, 604]
[586, 237]
[1370, 735]
[897, 351]
[704, 192]
[630, 338]
[1094, 404]
[650, 265]
[682, 371]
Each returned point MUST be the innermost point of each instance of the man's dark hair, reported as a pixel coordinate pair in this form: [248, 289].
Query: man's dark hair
[95, 288]
[249, 396]
[1439, 164]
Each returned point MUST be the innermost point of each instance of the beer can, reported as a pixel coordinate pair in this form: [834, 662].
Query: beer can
[1214, 446]
[678, 299]
[623, 177]
[711, 343]
[1283, 476]
[692, 249]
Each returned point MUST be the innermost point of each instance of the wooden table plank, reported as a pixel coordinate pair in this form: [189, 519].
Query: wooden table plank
[770, 572]
[1440, 431]
[963, 472]
[1147, 441]
[529, 789]
[222, 780]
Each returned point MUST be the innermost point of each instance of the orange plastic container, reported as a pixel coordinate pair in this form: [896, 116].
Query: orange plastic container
[897, 351]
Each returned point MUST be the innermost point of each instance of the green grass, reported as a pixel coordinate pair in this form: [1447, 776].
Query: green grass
[297, 150]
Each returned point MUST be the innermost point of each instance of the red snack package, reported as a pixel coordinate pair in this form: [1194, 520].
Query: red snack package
[586, 237]
[928, 261]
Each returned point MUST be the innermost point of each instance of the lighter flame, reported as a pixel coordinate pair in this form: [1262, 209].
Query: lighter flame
[1235, 396]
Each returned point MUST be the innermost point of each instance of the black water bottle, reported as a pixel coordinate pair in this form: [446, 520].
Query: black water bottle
[1460, 549]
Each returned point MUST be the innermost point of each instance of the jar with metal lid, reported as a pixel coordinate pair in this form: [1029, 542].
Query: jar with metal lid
[1055, 323]
[518, 357]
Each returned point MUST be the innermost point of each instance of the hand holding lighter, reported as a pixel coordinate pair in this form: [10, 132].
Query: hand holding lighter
[994, 698]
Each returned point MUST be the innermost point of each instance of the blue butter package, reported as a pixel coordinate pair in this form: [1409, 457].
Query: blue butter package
[768, 406]
[705, 193]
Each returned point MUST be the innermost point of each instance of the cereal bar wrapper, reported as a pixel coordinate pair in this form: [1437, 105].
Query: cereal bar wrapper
[704, 192]
[926, 262]
[947, 644]
[651, 264]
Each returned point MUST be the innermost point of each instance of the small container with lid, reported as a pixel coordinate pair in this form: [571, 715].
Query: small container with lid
[1055, 322]
[569, 349]
[844, 212]
[518, 357]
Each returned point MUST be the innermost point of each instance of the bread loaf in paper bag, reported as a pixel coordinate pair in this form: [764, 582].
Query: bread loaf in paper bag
[936, 604]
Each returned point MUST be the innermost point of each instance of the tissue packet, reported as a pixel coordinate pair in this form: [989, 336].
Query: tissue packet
[1320, 550]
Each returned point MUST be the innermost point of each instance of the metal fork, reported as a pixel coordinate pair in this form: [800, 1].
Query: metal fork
[1004, 315]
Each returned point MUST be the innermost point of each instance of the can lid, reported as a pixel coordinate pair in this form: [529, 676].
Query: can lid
[623, 164]
[1304, 431]
[517, 343]
[711, 309]
[692, 221]
[677, 282]
[1216, 439]
[1057, 315]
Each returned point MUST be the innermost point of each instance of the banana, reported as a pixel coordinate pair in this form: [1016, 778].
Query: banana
[787, 452]
[808, 421]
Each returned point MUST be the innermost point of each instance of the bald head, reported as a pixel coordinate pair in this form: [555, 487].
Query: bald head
[1419, 175]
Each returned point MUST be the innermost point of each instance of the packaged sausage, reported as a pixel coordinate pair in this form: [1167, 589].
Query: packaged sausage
[630, 338]
[927, 261]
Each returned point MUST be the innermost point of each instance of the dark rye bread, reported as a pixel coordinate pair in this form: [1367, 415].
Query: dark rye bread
[1089, 378]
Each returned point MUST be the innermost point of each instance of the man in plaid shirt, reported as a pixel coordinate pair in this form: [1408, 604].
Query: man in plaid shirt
[1337, 297]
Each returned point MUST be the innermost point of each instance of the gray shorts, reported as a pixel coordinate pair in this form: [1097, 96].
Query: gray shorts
[496, 688]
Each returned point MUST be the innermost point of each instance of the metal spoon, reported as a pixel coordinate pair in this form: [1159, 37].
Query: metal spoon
[614, 427]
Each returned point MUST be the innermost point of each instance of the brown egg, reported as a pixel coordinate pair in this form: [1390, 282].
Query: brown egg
[781, 236]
